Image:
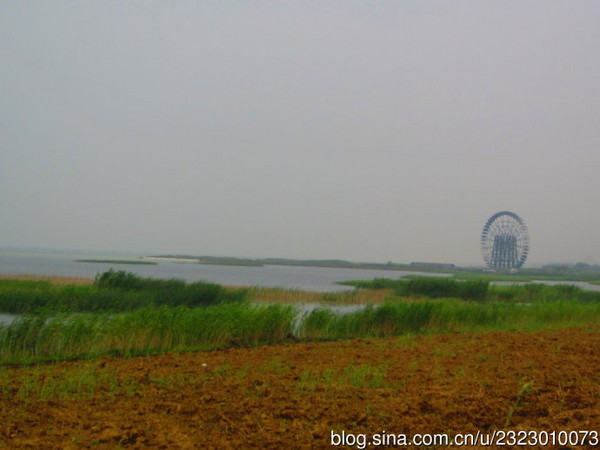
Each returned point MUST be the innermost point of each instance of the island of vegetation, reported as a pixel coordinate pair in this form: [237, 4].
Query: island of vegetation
[118, 261]
[550, 272]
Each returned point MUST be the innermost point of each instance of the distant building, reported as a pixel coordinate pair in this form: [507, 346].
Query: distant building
[431, 265]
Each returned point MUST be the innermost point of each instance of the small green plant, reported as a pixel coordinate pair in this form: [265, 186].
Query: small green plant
[242, 372]
[328, 377]
[308, 381]
[525, 389]
[223, 370]
[364, 375]
[42, 383]
[131, 386]
[360, 376]
[276, 365]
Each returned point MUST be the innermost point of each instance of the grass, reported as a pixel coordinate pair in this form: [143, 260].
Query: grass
[43, 383]
[111, 291]
[444, 287]
[476, 289]
[355, 376]
[293, 296]
[444, 316]
[528, 275]
[51, 278]
[524, 390]
[143, 331]
[156, 330]
[122, 314]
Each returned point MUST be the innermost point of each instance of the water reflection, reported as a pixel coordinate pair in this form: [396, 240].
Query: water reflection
[7, 319]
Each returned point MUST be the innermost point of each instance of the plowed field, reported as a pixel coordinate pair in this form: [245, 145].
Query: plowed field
[293, 396]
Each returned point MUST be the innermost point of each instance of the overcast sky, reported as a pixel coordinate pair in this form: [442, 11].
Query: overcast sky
[362, 130]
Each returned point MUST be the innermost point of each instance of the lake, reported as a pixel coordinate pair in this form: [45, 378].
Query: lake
[63, 263]
[318, 279]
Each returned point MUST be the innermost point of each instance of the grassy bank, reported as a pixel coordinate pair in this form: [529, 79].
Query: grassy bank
[143, 331]
[154, 330]
[528, 276]
[123, 314]
[111, 291]
[445, 316]
[475, 289]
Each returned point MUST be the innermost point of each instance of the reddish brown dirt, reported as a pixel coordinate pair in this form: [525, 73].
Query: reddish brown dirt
[292, 396]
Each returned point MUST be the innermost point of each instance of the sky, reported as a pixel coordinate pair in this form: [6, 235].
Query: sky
[369, 131]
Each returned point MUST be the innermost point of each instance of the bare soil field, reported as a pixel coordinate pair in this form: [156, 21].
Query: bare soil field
[294, 395]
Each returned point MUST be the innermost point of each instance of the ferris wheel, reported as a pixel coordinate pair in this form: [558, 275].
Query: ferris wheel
[504, 241]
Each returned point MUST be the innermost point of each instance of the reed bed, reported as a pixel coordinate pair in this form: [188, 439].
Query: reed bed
[475, 290]
[50, 278]
[144, 331]
[291, 296]
[164, 329]
[122, 314]
[111, 291]
[431, 287]
[444, 316]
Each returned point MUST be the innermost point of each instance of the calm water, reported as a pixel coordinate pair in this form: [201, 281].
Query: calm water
[7, 319]
[320, 279]
[306, 278]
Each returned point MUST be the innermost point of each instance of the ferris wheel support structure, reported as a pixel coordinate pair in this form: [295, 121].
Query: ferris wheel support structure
[504, 241]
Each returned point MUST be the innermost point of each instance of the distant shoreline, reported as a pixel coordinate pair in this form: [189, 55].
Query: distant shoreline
[209, 261]
[333, 264]
[170, 259]
[117, 261]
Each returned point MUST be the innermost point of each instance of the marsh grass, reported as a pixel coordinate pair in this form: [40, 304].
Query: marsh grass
[50, 278]
[291, 296]
[281, 295]
[444, 316]
[537, 292]
[144, 331]
[444, 287]
[476, 289]
[431, 287]
[142, 325]
[156, 330]
[529, 275]
[111, 291]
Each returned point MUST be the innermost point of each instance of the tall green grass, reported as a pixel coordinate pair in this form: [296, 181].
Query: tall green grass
[477, 289]
[431, 287]
[444, 287]
[444, 316]
[537, 292]
[111, 291]
[144, 331]
[127, 315]
[163, 329]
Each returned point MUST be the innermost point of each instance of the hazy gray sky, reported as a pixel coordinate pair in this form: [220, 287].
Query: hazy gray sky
[361, 130]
